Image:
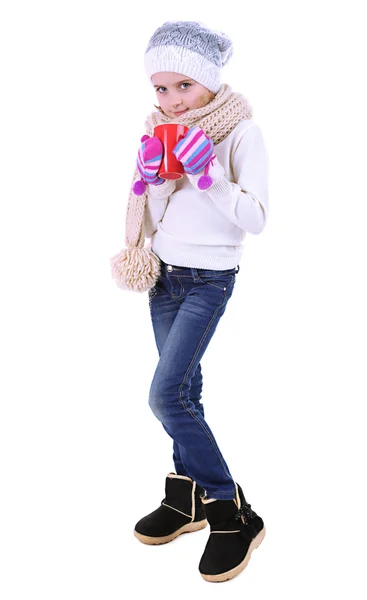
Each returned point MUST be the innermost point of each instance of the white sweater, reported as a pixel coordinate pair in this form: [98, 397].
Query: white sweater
[205, 229]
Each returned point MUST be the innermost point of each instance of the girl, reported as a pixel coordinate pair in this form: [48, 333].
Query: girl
[196, 226]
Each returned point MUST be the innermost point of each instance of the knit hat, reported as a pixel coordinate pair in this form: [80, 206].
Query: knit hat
[189, 48]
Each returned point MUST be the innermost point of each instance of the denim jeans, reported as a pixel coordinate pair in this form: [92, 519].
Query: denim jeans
[186, 305]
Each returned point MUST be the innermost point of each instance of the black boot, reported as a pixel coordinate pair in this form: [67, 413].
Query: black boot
[181, 511]
[235, 531]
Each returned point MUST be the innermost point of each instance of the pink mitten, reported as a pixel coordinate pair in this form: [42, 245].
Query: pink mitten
[148, 161]
[203, 181]
[195, 152]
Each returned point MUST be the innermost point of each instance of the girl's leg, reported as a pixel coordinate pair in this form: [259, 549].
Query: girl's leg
[161, 333]
[195, 397]
[202, 297]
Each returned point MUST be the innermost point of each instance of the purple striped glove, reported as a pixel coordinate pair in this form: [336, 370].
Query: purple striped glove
[148, 161]
[194, 151]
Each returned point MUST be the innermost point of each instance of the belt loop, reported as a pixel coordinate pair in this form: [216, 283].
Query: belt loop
[237, 268]
[195, 275]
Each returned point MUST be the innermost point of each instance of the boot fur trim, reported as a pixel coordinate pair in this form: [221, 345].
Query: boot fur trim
[179, 511]
[174, 476]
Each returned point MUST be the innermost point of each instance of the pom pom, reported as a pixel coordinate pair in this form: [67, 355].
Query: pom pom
[144, 138]
[205, 182]
[139, 187]
[135, 269]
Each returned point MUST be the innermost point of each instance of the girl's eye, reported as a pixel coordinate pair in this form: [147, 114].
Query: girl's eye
[183, 86]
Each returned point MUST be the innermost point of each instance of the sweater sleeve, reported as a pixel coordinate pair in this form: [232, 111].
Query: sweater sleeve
[156, 205]
[245, 203]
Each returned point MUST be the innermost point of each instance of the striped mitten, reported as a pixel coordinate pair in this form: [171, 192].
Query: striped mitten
[148, 161]
[194, 151]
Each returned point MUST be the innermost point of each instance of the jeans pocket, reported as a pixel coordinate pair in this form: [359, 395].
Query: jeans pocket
[218, 281]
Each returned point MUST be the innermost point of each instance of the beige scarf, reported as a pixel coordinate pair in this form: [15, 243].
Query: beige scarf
[137, 268]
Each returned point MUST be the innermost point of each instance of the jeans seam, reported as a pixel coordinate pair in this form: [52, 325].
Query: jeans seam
[221, 494]
[181, 291]
[219, 287]
[210, 438]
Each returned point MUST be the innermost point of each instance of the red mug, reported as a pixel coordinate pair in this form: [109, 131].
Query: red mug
[170, 134]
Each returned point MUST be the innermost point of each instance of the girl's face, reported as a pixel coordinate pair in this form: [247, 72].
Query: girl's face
[177, 93]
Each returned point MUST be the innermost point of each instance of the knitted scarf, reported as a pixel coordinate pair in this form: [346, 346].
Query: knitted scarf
[137, 268]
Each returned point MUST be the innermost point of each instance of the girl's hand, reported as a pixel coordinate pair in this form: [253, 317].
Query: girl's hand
[194, 151]
[148, 162]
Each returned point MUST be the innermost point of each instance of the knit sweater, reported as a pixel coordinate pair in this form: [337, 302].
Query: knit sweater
[206, 229]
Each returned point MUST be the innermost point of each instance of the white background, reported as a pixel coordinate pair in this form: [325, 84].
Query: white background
[82, 456]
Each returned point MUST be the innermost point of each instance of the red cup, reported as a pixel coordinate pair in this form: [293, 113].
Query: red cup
[170, 134]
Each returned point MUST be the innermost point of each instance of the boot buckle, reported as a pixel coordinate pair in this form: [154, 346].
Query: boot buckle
[244, 513]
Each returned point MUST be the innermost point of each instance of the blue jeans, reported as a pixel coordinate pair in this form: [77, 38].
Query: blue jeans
[186, 305]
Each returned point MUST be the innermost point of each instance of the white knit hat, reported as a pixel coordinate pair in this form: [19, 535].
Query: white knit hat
[189, 48]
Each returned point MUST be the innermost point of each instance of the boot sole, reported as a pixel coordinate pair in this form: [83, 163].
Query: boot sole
[195, 526]
[236, 570]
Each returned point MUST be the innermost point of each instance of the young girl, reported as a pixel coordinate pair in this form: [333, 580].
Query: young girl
[196, 226]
